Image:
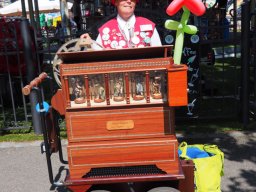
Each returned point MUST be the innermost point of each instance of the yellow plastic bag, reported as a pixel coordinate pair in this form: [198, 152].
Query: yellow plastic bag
[208, 170]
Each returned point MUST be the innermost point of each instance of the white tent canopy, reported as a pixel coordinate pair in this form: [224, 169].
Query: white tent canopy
[45, 6]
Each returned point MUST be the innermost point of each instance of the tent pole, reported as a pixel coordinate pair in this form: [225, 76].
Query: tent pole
[37, 15]
[23, 8]
[31, 14]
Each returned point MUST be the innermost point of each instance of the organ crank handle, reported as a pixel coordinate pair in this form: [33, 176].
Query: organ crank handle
[34, 83]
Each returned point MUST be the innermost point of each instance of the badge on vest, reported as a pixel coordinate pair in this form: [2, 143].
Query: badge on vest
[147, 27]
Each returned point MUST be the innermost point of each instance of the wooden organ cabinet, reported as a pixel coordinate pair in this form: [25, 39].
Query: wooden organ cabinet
[119, 110]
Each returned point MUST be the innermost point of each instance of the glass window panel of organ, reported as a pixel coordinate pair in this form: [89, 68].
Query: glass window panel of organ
[77, 90]
[158, 86]
[97, 89]
[117, 89]
[137, 87]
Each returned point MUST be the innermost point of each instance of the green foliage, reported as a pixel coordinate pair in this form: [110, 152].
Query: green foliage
[23, 135]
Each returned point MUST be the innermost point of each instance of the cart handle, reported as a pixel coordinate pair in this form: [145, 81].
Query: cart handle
[34, 83]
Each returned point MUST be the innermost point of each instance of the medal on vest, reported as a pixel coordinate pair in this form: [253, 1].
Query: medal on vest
[122, 43]
[114, 44]
[143, 34]
[105, 37]
[106, 30]
[147, 40]
[135, 40]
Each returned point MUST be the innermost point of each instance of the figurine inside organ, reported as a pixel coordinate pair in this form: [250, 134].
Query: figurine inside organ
[98, 89]
[156, 86]
[118, 88]
[78, 91]
[139, 87]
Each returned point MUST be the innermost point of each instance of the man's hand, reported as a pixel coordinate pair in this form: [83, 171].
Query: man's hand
[85, 40]
[86, 36]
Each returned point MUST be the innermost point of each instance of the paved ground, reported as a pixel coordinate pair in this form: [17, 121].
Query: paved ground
[23, 168]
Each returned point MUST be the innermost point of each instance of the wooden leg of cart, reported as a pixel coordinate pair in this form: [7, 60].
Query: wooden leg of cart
[187, 184]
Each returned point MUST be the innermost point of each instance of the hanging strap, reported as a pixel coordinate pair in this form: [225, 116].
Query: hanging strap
[183, 147]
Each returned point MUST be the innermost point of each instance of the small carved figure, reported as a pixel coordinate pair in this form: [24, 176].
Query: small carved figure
[118, 90]
[100, 92]
[138, 89]
[157, 88]
[78, 91]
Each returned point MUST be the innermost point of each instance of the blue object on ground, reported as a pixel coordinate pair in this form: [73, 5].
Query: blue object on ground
[194, 152]
[45, 109]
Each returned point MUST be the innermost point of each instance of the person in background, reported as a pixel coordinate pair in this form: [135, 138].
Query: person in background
[126, 30]
[76, 10]
[59, 33]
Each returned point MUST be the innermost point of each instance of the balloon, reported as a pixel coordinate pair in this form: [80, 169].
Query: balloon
[190, 29]
[181, 28]
[171, 24]
[174, 7]
[178, 46]
[195, 6]
[174, 25]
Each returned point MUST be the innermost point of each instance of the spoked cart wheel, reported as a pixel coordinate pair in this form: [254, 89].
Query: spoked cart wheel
[70, 46]
[73, 45]
[163, 189]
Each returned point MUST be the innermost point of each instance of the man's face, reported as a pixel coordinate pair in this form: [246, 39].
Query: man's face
[125, 8]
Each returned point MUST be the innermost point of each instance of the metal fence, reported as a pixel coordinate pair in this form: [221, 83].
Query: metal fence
[248, 88]
[13, 105]
[214, 84]
[219, 81]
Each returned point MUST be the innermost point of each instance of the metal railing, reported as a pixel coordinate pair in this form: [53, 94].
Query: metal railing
[13, 105]
[248, 79]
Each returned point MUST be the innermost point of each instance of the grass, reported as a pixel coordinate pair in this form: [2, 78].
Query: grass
[27, 134]
[20, 137]
[24, 135]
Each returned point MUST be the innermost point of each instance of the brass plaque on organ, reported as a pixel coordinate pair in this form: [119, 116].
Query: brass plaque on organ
[120, 125]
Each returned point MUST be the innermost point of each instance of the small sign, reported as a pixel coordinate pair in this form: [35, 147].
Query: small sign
[147, 27]
[120, 125]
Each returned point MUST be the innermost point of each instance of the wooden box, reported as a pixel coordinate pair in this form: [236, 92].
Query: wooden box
[119, 110]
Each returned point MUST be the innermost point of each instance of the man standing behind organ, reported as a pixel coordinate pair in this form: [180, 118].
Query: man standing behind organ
[127, 30]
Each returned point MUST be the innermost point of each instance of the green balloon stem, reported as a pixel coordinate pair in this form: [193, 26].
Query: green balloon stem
[180, 37]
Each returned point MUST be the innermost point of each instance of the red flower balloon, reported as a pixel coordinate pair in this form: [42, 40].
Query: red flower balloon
[194, 6]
